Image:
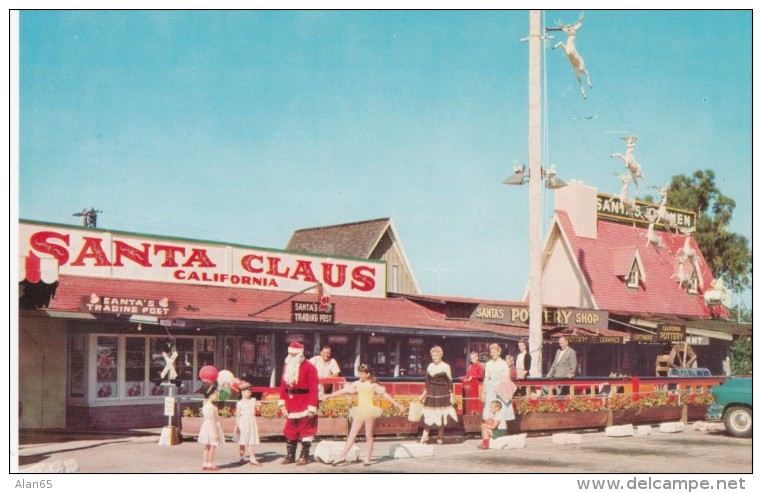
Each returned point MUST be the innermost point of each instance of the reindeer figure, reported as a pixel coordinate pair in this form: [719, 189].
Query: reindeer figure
[628, 204]
[662, 214]
[653, 239]
[571, 51]
[681, 276]
[629, 161]
[687, 254]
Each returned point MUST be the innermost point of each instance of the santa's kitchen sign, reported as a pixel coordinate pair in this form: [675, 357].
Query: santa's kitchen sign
[116, 255]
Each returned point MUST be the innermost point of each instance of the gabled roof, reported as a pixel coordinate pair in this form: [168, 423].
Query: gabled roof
[660, 295]
[364, 239]
[350, 240]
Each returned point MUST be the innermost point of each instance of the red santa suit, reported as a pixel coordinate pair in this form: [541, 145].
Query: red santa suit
[300, 398]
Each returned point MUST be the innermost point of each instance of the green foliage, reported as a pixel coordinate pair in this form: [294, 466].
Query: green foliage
[727, 254]
[741, 356]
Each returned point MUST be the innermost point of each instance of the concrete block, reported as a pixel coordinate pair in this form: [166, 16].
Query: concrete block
[620, 431]
[643, 430]
[327, 451]
[566, 439]
[55, 467]
[410, 450]
[509, 442]
[672, 427]
[708, 426]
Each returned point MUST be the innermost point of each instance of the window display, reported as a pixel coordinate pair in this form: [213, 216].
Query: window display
[106, 366]
[135, 367]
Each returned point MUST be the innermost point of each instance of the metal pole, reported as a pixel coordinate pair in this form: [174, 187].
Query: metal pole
[535, 194]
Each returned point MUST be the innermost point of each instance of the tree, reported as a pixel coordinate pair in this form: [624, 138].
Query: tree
[727, 254]
[741, 352]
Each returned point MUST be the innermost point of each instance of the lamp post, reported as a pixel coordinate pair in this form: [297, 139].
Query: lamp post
[536, 174]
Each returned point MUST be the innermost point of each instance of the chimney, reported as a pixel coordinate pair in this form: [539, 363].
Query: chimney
[580, 202]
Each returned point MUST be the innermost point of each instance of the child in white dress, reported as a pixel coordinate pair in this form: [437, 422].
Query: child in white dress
[246, 423]
[210, 435]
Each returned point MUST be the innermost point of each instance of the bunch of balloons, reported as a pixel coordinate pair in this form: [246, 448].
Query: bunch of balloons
[226, 381]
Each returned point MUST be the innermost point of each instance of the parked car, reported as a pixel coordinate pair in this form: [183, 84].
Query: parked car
[732, 405]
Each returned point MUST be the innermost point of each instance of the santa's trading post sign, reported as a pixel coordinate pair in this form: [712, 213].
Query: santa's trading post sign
[49, 250]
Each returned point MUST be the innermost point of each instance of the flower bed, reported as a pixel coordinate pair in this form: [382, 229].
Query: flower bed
[532, 413]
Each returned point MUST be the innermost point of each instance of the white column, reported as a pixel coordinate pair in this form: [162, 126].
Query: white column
[535, 194]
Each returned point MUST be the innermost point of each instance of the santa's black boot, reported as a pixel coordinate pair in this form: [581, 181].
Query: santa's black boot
[290, 452]
[305, 457]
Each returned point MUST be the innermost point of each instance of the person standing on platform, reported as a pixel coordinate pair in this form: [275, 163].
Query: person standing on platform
[496, 371]
[475, 370]
[564, 364]
[438, 397]
[326, 367]
[523, 365]
[298, 402]
[471, 382]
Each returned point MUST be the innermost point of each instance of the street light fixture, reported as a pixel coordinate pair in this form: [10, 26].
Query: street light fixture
[521, 177]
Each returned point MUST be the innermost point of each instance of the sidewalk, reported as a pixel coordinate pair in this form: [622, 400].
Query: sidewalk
[691, 451]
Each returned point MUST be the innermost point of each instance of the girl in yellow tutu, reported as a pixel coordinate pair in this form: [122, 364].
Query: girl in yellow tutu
[365, 412]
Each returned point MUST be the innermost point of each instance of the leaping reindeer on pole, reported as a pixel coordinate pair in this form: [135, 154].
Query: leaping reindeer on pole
[629, 161]
[628, 204]
[571, 50]
[662, 215]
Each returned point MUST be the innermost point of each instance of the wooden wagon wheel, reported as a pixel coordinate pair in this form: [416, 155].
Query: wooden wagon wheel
[682, 356]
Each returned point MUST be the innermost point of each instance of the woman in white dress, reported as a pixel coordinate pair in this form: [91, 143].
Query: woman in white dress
[210, 435]
[246, 423]
[496, 372]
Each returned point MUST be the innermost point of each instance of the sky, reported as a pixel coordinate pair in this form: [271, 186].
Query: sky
[242, 127]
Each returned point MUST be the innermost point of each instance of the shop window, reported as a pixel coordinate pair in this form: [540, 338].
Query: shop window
[183, 363]
[135, 367]
[255, 359]
[381, 351]
[415, 357]
[77, 365]
[343, 347]
[106, 370]
[205, 347]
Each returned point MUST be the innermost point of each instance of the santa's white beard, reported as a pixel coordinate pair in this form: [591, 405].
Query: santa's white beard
[291, 375]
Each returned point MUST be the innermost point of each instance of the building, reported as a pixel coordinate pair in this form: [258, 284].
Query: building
[102, 312]
[651, 279]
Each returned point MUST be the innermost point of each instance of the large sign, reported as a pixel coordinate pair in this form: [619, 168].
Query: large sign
[518, 316]
[644, 213]
[93, 253]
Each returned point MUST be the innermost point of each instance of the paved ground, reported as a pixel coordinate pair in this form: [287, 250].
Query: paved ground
[691, 451]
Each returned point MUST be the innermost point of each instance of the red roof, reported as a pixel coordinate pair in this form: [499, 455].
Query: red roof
[600, 260]
[193, 302]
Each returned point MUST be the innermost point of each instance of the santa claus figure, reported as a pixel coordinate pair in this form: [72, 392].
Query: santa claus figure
[298, 402]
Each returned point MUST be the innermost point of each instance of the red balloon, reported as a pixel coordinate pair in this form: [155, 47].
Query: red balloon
[208, 373]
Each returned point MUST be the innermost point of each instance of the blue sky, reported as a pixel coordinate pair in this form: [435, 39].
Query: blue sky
[245, 126]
